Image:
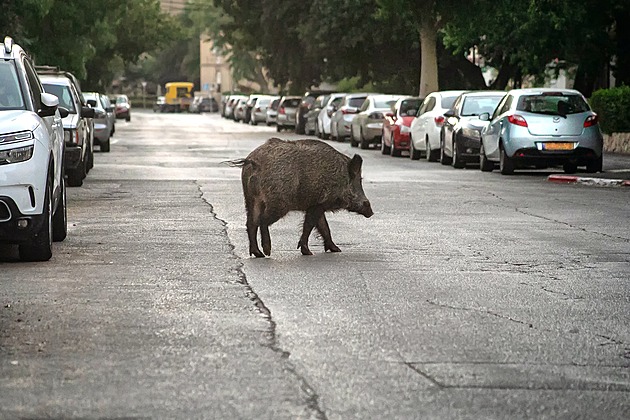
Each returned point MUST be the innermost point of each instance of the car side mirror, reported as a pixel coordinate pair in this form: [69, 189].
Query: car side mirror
[450, 113]
[63, 112]
[92, 103]
[87, 112]
[484, 116]
[49, 105]
[390, 114]
[98, 113]
[109, 109]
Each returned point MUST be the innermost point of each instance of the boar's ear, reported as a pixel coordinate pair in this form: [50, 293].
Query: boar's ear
[354, 167]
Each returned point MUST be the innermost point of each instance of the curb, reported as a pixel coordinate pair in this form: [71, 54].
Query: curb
[600, 182]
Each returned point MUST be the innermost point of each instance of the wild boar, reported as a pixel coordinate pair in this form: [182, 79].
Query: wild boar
[303, 175]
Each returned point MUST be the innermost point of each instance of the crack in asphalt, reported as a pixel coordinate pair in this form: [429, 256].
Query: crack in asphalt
[461, 308]
[312, 398]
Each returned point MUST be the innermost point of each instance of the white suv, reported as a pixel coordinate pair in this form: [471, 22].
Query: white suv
[32, 186]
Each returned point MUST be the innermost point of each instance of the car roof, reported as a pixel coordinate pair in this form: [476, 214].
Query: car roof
[55, 79]
[485, 93]
[529, 91]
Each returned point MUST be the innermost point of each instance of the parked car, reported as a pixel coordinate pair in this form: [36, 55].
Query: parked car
[272, 111]
[367, 126]
[305, 105]
[78, 125]
[259, 109]
[426, 128]
[311, 116]
[341, 119]
[462, 127]
[104, 119]
[160, 104]
[395, 137]
[203, 103]
[230, 105]
[240, 109]
[287, 110]
[541, 128]
[249, 106]
[32, 187]
[123, 107]
[322, 129]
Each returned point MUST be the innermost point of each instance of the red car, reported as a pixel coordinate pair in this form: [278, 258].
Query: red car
[123, 107]
[396, 131]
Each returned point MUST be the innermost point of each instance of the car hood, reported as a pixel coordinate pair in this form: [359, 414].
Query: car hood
[17, 120]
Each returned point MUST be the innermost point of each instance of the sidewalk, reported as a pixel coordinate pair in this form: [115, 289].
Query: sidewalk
[616, 173]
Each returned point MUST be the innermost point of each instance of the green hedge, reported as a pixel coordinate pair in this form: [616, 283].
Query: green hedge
[613, 108]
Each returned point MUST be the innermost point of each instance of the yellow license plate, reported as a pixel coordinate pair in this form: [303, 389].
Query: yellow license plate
[558, 146]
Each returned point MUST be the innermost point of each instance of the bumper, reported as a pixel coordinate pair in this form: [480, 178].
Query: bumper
[532, 156]
[468, 149]
[72, 156]
[590, 139]
[372, 132]
[10, 214]
[122, 113]
[402, 140]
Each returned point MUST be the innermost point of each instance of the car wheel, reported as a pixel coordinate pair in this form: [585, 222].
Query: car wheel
[76, 176]
[506, 164]
[105, 146]
[128, 118]
[318, 133]
[413, 153]
[364, 142]
[569, 167]
[278, 128]
[484, 164]
[595, 165]
[353, 142]
[90, 161]
[430, 155]
[60, 217]
[456, 161]
[40, 247]
[385, 149]
[394, 151]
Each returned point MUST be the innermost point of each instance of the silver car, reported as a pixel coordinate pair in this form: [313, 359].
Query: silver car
[272, 111]
[367, 126]
[104, 118]
[341, 119]
[541, 128]
[287, 110]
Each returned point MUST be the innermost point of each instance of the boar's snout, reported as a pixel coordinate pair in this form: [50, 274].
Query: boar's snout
[366, 209]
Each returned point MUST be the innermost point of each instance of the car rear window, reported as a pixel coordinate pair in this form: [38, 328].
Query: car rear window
[447, 101]
[356, 102]
[410, 106]
[477, 105]
[63, 93]
[384, 103]
[552, 103]
[291, 103]
[274, 104]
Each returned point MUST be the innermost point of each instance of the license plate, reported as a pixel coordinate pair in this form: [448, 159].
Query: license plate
[558, 146]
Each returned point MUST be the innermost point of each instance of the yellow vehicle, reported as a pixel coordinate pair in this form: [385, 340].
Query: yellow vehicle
[178, 96]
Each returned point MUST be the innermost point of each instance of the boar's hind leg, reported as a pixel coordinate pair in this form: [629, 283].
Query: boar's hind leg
[310, 221]
[266, 239]
[253, 217]
[324, 231]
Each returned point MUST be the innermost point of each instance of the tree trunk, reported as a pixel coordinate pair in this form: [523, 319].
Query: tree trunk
[428, 55]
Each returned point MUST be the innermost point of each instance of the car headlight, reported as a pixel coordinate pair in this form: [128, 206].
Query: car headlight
[16, 137]
[19, 154]
[471, 133]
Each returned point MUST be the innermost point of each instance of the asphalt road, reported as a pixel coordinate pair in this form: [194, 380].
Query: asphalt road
[467, 295]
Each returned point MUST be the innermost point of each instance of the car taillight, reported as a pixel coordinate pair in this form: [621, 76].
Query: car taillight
[517, 120]
[591, 120]
[439, 120]
[281, 110]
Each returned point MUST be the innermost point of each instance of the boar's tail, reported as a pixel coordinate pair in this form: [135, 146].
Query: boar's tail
[239, 163]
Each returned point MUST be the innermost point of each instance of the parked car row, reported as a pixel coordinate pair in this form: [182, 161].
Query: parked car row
[48, 129]
[519, 129]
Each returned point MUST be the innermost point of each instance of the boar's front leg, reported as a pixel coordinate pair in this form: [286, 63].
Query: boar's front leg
[324, 231]
[310, 221]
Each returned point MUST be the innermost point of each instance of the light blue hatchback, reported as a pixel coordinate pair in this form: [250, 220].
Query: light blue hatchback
[540, 128]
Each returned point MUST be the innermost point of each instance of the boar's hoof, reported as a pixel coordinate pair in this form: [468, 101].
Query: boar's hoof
[267, 250]
[304, 249]
[256, 253]
[331, 247]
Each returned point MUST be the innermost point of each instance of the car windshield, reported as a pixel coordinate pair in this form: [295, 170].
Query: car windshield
[63, 93]
[10, 93]
[410, 107]
[477, 105]
[121, 100]
[92, 96]
[552, 104]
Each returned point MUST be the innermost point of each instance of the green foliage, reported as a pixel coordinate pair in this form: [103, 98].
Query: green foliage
[613, 108]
